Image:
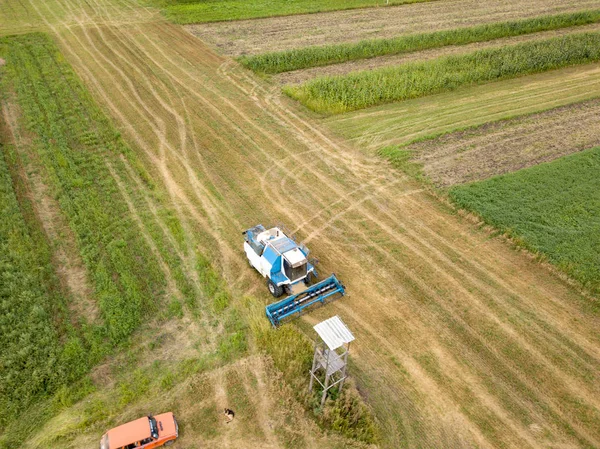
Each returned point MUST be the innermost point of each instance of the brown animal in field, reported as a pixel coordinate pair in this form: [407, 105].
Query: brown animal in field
[229, 415]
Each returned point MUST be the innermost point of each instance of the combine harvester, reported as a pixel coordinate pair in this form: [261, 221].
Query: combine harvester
[285, 265]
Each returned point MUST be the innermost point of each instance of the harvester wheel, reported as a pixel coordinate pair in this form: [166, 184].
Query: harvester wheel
[275, 290]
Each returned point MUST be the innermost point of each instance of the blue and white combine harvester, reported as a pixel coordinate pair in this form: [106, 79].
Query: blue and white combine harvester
[285, 265]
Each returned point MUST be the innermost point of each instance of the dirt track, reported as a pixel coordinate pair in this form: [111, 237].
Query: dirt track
[281, 33]
[461, 341]
[507, 146]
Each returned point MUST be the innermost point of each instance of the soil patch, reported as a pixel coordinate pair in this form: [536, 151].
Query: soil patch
[282, 33]
[2, 62]
[511, 145]
[301, 76]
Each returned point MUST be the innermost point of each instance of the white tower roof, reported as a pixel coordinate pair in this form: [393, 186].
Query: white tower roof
[334, 332]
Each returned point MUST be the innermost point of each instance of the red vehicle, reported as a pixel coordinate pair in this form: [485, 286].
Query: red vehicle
[147, 433]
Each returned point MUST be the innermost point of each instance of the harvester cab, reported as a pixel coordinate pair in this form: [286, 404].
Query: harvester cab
[285, 265]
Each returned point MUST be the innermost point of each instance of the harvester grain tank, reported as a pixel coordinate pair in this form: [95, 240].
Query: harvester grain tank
[285, 265]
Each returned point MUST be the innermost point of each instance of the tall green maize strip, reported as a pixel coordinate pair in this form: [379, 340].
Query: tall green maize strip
[390, 84]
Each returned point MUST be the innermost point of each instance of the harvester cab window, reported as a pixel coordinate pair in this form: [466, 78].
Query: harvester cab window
[294, 273]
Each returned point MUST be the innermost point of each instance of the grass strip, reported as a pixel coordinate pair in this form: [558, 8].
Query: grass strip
[302, 58]
[552, 209]
[33, 360]
[184, 12]
[74, 139]
[340, 94]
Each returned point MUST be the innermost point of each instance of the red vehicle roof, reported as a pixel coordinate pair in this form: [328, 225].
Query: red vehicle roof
[129, 433]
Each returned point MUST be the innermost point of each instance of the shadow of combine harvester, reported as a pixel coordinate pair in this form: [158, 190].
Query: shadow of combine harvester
[285, 265]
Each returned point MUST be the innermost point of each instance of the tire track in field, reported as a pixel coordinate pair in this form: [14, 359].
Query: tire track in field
[287, 156]
[413, 236]
[369, 214]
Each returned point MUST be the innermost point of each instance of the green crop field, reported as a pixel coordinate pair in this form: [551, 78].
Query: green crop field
[553, 209]
[413, 80]
[72, 138]
[34, 361]
[193, 11]
[301, 58]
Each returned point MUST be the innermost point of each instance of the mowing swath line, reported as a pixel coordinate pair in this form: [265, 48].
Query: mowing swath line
[440, 301]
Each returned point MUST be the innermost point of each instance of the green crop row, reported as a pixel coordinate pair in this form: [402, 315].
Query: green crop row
[301, 58]
[194, 11]
[551, 208]
[412, 80]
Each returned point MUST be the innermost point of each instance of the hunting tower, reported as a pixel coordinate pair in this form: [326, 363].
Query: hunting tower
[331, 355]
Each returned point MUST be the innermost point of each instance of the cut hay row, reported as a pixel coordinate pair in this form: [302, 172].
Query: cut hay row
[301, 58]
[194, 11]
[336, 95]
[551, 208]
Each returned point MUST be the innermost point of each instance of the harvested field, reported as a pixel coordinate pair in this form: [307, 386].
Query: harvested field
[461, 341]
[285, 33]
[301, 76]
[401, 123]
[508, 146]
